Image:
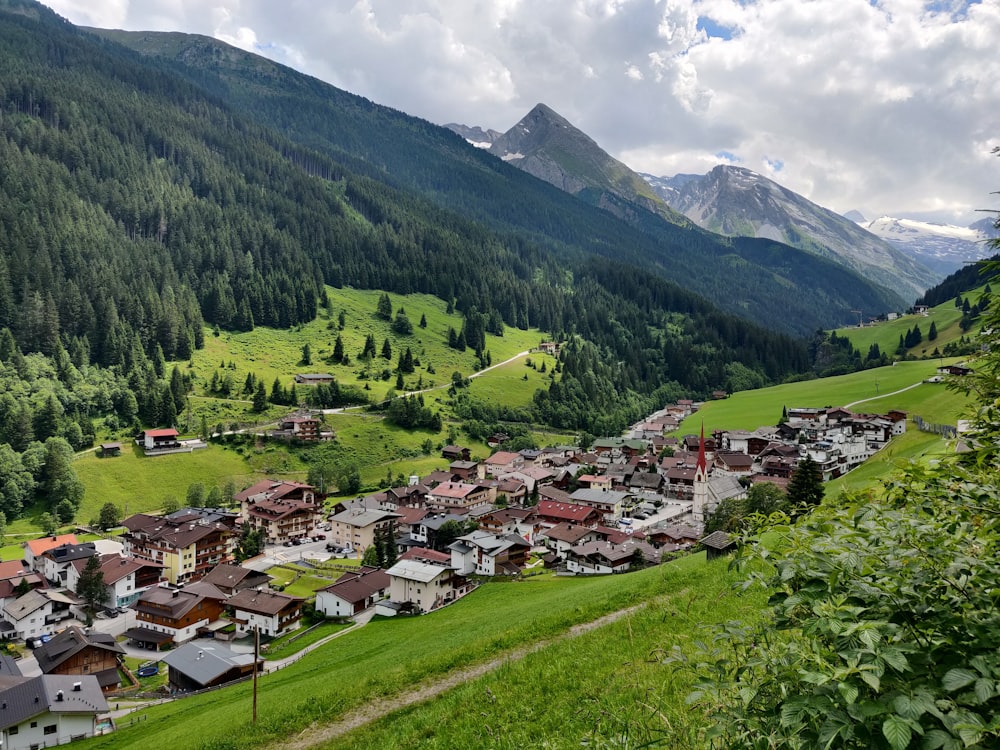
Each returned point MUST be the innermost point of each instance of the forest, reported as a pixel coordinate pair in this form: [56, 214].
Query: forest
[145, 202]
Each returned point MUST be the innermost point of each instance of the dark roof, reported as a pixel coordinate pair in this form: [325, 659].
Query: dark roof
[357, 587]
[204, 662]
[718, 540]
[264, 602]
[147, 635]
[55, 693]
[70, 642]
[231, 577]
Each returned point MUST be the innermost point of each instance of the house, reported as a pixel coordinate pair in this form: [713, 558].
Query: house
[552, 513]
[489, 554]
[313, 378]
[171, 615]
[410, 496]
[74, 652]
[451, 496]
[733, 464]
[38, 547]
[420, 585]
[502, 462]
[561, 538]
[594, 481]
[608, 502]
[49, 710]
[595, 558]
[299, 427]
[465, 470]
[270, 612]
[353, 592]
[110, 449]
[511, 489]
[280, 509]
[427, 530]
[231, 579]
[125, 577]
[956, 370]
[357, 528]
[520, 521]
[55, 563]
[718, 544]
[196, 666]
[455, 453]
[14, 575]
[187, 543]
[37, 612]
[158, 440]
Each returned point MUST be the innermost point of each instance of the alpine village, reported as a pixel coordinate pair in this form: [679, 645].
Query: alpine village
[321, 426]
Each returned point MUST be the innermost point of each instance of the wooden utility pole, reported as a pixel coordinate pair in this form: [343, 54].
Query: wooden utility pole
[256, 657]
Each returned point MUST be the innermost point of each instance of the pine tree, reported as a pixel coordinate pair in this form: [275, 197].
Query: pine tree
[932, 333]
[384, 308]
[260, 397]
[806, 485]
[423, 321]
[386, 349]
[338, 350]
[90, 586]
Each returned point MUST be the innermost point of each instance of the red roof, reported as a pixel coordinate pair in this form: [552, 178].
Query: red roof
[564, 511]
[43, 545]
[165, 432]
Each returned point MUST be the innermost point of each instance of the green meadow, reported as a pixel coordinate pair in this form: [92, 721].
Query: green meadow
[886, 334]
[747, 410]
[389, 656]
[277, 354]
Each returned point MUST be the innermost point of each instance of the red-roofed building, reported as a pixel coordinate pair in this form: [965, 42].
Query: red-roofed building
[503, 462]
[161, 439]
[34, 549]
[552, 513]
[450, 496]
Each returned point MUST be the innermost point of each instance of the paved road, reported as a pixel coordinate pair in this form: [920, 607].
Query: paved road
[882, 395]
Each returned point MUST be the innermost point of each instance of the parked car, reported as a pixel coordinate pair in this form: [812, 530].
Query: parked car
[334, 548]
[111, 612]
[319, 538]
[289, 543]
[640, 516]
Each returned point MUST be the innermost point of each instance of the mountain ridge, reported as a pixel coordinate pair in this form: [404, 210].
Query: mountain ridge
[735, 201]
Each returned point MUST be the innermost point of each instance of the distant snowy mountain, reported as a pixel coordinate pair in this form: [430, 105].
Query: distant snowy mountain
[475, 135]
[739, 202]
[942, 247]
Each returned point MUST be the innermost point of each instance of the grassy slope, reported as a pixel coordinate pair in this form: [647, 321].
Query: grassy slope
[270, 353]
[386, 656]
[607, 688]
[886, 334]
[748, 410]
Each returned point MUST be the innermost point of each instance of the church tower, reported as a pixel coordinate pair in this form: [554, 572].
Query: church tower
[700, 496]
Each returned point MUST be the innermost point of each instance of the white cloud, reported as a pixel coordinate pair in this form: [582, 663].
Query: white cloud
[888, 107]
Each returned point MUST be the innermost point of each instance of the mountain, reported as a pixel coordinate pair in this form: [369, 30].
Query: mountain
[547, 145]
[735, 201]
[475, 135]
[532, 217]
[941, 247]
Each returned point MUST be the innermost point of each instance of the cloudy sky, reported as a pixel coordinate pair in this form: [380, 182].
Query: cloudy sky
[888, 106]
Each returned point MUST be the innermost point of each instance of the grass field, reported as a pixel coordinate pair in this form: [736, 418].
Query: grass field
[269, 353]
[386, 657]
[138, 483]
[748, 410]
[886, 333]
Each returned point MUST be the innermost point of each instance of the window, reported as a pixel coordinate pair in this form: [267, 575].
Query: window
[34, 724]
[50, 729]
[12, 730]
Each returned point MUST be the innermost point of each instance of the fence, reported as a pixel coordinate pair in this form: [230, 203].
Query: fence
[945, 430]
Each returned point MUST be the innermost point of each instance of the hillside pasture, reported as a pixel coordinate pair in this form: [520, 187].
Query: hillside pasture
[390, 656]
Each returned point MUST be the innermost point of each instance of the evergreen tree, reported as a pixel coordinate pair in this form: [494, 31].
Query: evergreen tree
[90, 586]
[260, 397]
[423, 321]
[306, 354]
[386, 349]
[932, 334]
[384, 308]
[368, 352]
[338, 350]
[806, 485]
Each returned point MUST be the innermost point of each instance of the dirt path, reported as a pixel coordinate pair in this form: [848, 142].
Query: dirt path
[381, 707]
